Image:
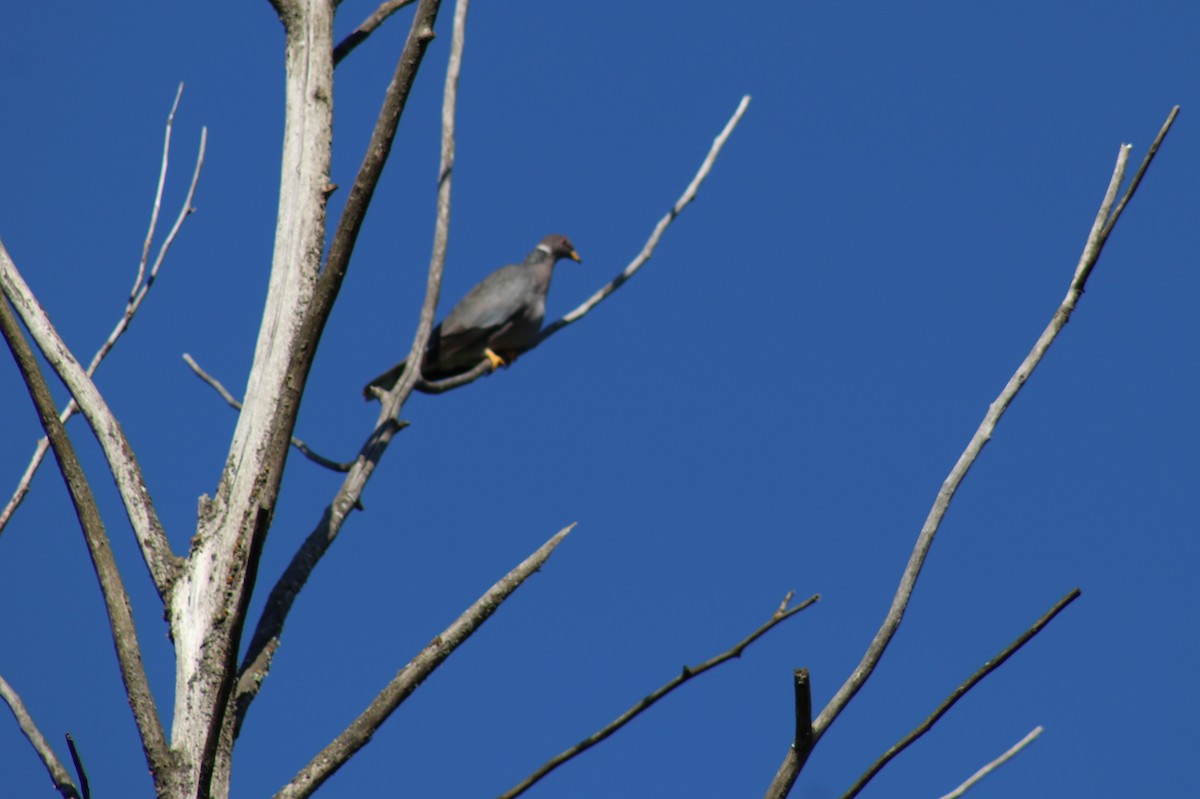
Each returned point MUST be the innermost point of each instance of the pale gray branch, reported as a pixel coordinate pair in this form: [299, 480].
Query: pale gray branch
[995, 764]
[156, 206]
[156, 551]
[409, 678]
[688, 195]
[789, 769]
[141, 288]
[265, 641]
[58, 774]
[207, 607]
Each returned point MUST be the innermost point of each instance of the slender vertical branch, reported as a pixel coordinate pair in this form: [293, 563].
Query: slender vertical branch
[802, 689]
[399, 394]
[206, 607]
[84, 788]
[116, 600]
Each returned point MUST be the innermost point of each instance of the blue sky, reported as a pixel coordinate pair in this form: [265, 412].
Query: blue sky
[770, 405]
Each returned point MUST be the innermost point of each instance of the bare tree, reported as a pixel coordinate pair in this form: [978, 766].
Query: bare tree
[205, 593]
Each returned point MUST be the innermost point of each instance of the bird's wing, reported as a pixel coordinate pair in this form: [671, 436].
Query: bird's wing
[493, 303]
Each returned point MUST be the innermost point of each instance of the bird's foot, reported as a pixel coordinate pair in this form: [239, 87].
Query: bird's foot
[495, 359]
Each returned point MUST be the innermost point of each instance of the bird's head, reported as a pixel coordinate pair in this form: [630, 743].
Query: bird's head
[558, 246]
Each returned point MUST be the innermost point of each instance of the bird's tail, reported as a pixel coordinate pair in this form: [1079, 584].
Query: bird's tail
[385, 382]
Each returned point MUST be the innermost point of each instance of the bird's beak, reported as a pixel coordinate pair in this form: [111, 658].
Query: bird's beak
[574, 256]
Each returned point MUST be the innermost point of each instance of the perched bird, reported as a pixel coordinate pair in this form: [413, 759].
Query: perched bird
[497, 320]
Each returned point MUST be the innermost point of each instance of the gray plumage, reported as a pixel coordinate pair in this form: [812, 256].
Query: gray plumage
[498, 319]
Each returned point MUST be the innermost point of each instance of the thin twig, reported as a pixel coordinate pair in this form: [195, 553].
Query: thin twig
[789, 769]
[58, 774]
[137, 296]
[409, 678]
[79, 769]
[995, 764]
[394, 400]
[131, 484]
[1141, 171]
[368, 26]
[116, 599]
[233, 402]
[684, 200]
[156, 206]
[779, 616]
[265, 641]
[959, 693]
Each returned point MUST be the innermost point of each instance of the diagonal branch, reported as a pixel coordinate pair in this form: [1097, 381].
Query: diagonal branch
[141, 288]
[58, 774]
[995, 764]
[368, 26]
[116, 600]
[689, 194]
[779, 616]
[409, 678]
[156, 551]
[959, 693]
[233, 402]
[789, 769]
[684, 200]
[265, 641]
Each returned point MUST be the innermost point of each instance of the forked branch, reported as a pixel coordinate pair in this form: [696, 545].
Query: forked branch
[141, 287]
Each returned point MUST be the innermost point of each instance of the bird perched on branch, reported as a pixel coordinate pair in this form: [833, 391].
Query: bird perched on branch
[498, 319]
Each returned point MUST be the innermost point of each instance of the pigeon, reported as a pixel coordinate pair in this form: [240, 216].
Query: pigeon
[497, 320]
